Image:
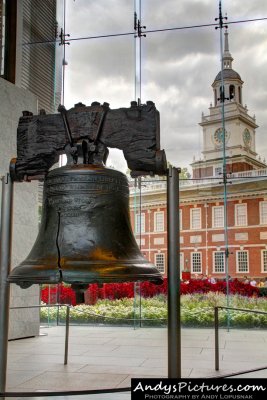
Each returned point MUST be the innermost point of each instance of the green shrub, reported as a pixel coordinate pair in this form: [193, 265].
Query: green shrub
[197, 310]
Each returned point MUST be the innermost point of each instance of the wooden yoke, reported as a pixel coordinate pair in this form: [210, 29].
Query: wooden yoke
[84, 133]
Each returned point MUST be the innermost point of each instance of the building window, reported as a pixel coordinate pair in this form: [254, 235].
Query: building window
[140, 223]
[181, 219]
[264, 261]
[218, 261]
[217, 171]
[217, 217]
[196, 262]
[231, 92]
[160, 262]
[241, 214]
[159, 221]
[195, 218]
[242, 261]
[181, 262]
[263, 212]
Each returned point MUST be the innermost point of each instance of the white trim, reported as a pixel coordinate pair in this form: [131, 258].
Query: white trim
[263, 227]
[192, 210]
[260, 212]
[192, 256]
[237, 265]
[219, 171]
[262, 260]
[213, 262]
[213, 217]
[157, 227]
[241, 206]
[181, 218]
[137, 223]
[163, 259]
[181, 263]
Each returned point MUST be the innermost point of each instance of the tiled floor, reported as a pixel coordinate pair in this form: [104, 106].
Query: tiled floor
[108, 357]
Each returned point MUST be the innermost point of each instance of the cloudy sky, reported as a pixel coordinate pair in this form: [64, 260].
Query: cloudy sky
[178, 66]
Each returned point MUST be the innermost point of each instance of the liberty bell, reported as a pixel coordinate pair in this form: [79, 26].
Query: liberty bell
[85, 234]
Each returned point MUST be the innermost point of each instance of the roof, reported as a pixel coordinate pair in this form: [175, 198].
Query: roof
[228, 73]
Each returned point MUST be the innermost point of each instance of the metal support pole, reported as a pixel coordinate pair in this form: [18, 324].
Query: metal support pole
[67, 335]
[216, 326]
[5, 259]
[174, 321]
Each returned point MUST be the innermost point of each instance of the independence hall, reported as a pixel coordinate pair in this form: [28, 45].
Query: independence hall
[205, 200]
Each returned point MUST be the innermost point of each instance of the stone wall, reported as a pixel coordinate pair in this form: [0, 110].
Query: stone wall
[13, 101]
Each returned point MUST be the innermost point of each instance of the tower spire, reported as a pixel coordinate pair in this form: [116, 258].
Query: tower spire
[227, 58]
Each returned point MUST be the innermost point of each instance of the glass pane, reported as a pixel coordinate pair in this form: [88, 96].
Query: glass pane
[209, 87]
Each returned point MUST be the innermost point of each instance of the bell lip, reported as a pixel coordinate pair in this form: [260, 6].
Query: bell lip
[21, 280]
[25, 282]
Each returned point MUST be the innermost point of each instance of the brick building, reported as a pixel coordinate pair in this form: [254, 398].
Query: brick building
[209, 244]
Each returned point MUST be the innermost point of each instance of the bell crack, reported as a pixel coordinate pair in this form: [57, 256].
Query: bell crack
[58, 249]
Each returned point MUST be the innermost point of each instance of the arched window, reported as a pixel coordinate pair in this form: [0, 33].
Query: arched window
[231, 92]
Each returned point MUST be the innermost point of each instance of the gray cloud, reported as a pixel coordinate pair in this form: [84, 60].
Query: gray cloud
[178, 67]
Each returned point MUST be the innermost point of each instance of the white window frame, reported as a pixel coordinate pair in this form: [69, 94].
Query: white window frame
[238, 264]
[218, 171]
[263, 212]
[194, 261]
[137, 223]
[160, 264]
[181, 219]
[193, 224]
[215, 222]
[159, 223]
[242, 206]
[215, 259]
[264, 261]
[181, 262]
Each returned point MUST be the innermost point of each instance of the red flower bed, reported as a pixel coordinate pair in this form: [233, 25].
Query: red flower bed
[204, 286]
[114, 291]
[58, 294]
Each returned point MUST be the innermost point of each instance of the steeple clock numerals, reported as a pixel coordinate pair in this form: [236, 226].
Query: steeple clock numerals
[247, 138]
[218, 137]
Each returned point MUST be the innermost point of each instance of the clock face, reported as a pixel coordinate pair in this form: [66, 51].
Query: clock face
[218, 137]
[247, 137]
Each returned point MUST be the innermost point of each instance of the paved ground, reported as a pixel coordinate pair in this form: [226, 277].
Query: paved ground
[108, 357]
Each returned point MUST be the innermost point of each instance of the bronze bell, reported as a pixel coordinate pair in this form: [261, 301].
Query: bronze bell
[85, 234]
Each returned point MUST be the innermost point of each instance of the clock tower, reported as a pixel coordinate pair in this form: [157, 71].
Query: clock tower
[240, 127]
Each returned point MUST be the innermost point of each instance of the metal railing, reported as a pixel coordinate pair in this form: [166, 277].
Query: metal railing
[66, 352]
[126, 389]
[67, 323]
[216, 326]
[67, 320]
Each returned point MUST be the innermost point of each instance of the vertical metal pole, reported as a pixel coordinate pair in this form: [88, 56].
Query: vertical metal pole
[174, 322]
[67, 335]
[5, 258]
[216, 326]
